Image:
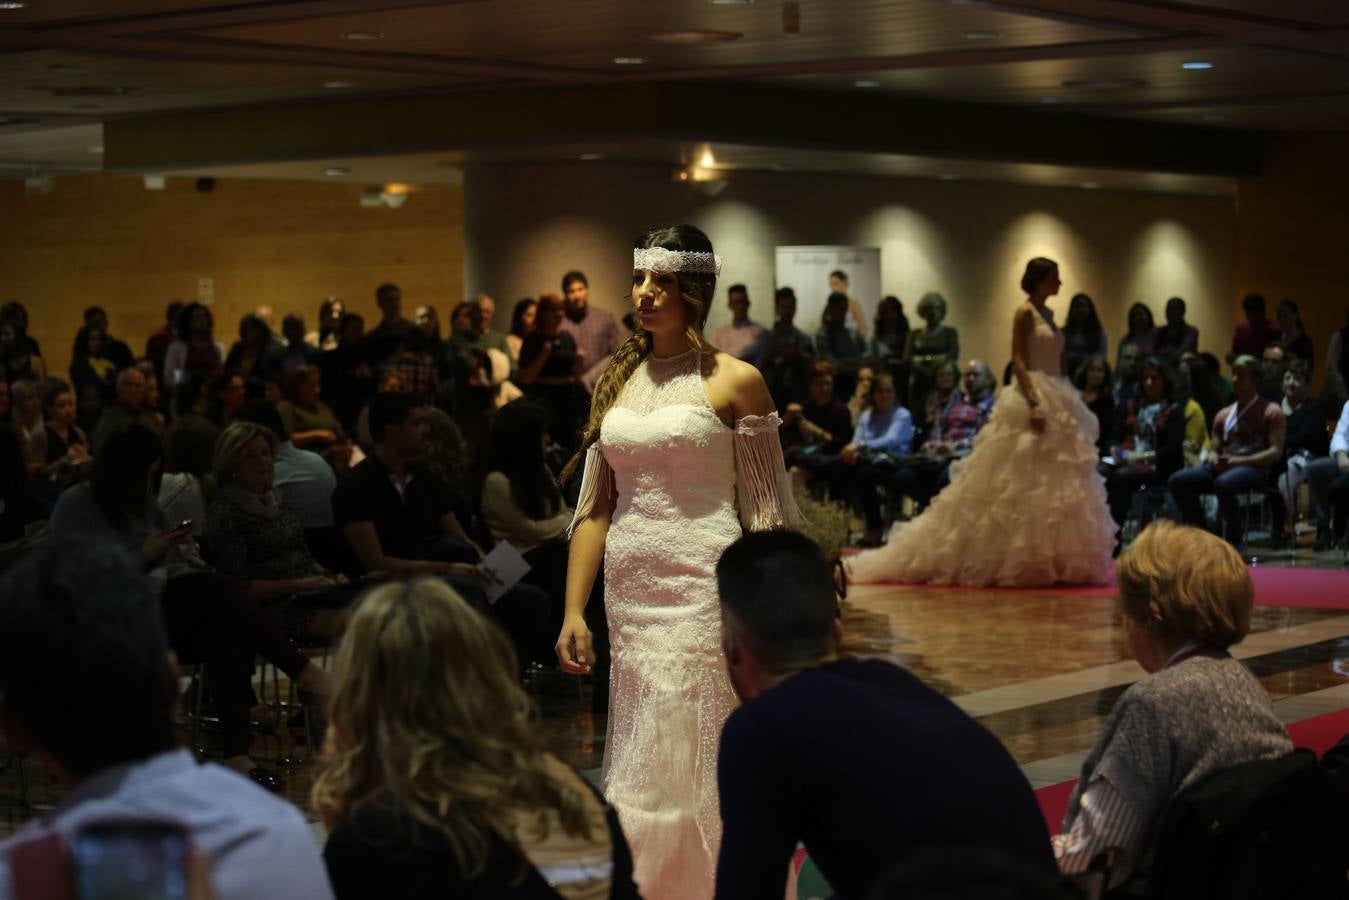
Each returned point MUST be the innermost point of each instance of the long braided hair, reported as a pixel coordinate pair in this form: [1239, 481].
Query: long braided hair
[696, 290]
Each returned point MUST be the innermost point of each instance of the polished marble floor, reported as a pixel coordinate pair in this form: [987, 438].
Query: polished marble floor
[1040, 669]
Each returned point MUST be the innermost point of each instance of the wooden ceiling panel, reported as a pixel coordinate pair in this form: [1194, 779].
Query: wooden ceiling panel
[1319, 12]
[590, 33]
[72, 11]
[54, 82]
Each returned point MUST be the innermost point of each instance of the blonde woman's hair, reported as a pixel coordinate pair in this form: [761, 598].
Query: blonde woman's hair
[428, 716]
[696, 290]
[231, 445]
[1184, 584]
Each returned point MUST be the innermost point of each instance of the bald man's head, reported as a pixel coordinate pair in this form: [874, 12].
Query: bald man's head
[131, 388]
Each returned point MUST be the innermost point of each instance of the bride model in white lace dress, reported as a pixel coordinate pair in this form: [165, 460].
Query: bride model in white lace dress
[1026, 508]
[682, 455]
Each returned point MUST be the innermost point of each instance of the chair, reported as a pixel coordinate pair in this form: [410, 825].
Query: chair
[1276, 829]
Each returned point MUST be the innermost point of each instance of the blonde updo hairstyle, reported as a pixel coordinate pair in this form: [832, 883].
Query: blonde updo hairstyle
[695, 288]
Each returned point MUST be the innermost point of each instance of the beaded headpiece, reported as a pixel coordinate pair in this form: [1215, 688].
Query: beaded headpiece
[659, 259]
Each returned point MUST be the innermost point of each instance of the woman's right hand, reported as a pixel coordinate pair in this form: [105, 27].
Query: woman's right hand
[315, 583]
[575, 650]
[1037, 420]
[158, 545]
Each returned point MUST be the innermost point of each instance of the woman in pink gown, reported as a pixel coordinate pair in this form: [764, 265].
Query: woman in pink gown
[681, 455]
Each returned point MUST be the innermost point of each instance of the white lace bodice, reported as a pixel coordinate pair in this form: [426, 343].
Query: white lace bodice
[1044, 350]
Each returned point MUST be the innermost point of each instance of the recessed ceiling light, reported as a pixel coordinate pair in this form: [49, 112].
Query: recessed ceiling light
[591, 157]
[1196, 64]
[94, 148]
[866, 84]
[13, 4]
[628, 60]
[1051, 100]
[982, 35]
[337, 170]
[1089, 185]
[334, 85]
[363, 35]
[693, 37]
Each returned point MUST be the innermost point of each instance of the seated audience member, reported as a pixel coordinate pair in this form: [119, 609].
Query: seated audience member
[941, 394]
[435, 782]
[1142, 332]
[1296, 343]
[225, 393]
[783, 352]
[102, 722]
[1328, 483]
[185, 488]
[1273, 363]
[740, 336]
[68, 449]
[448, 457]
[522, 323]
[348, 377]
[1197, 422]
[1204, 388]
[468, 357]
[19, 358]
[390, 381]
[26, 419]
[1083, 335]
[196, 351]
[414, 362]
[297, 351]
[887, 344]
[305, 482]
[157, 345]
[254, 539]
[154, 398]
[1092, 378]
[308, 419]
[860, 401]
[398, 518]
[96, 317]
[88, 407]
[127, 410]
[428, 320]
[813, 433]
[930, 347]
[839, 344]
[331, 311]
[20, 505]
[1247, 443]
[1305, 439]
[883, 436]
[207, 617]
[1336, 384]
[6, 404]
[1257, 332]
[550, 370]
[1185, 597]
[461, 317]
[90, 363]
[949, 438]
[1126, 374]
[919, 772]
[1176, 337]
[1148, 440]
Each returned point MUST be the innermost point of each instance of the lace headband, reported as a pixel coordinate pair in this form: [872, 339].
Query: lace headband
[658, 259]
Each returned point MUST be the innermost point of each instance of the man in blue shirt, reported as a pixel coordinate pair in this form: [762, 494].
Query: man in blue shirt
[857, 759]
[88, 688]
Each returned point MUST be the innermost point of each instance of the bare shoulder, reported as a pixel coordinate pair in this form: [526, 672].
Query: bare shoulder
[735, 388]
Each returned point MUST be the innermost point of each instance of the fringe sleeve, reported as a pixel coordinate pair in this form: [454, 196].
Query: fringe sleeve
[762, 486]
[597, 480]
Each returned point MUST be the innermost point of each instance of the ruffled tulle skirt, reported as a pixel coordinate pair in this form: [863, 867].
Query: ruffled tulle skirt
[1022, 510]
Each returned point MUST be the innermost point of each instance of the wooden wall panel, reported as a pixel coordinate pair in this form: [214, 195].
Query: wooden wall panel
[107, 240]
[1293, 232]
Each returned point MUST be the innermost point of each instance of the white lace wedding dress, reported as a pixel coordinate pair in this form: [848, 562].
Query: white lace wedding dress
[685, 485]
[1023, 509]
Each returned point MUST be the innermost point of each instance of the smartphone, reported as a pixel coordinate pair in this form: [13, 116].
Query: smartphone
[130, 861]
